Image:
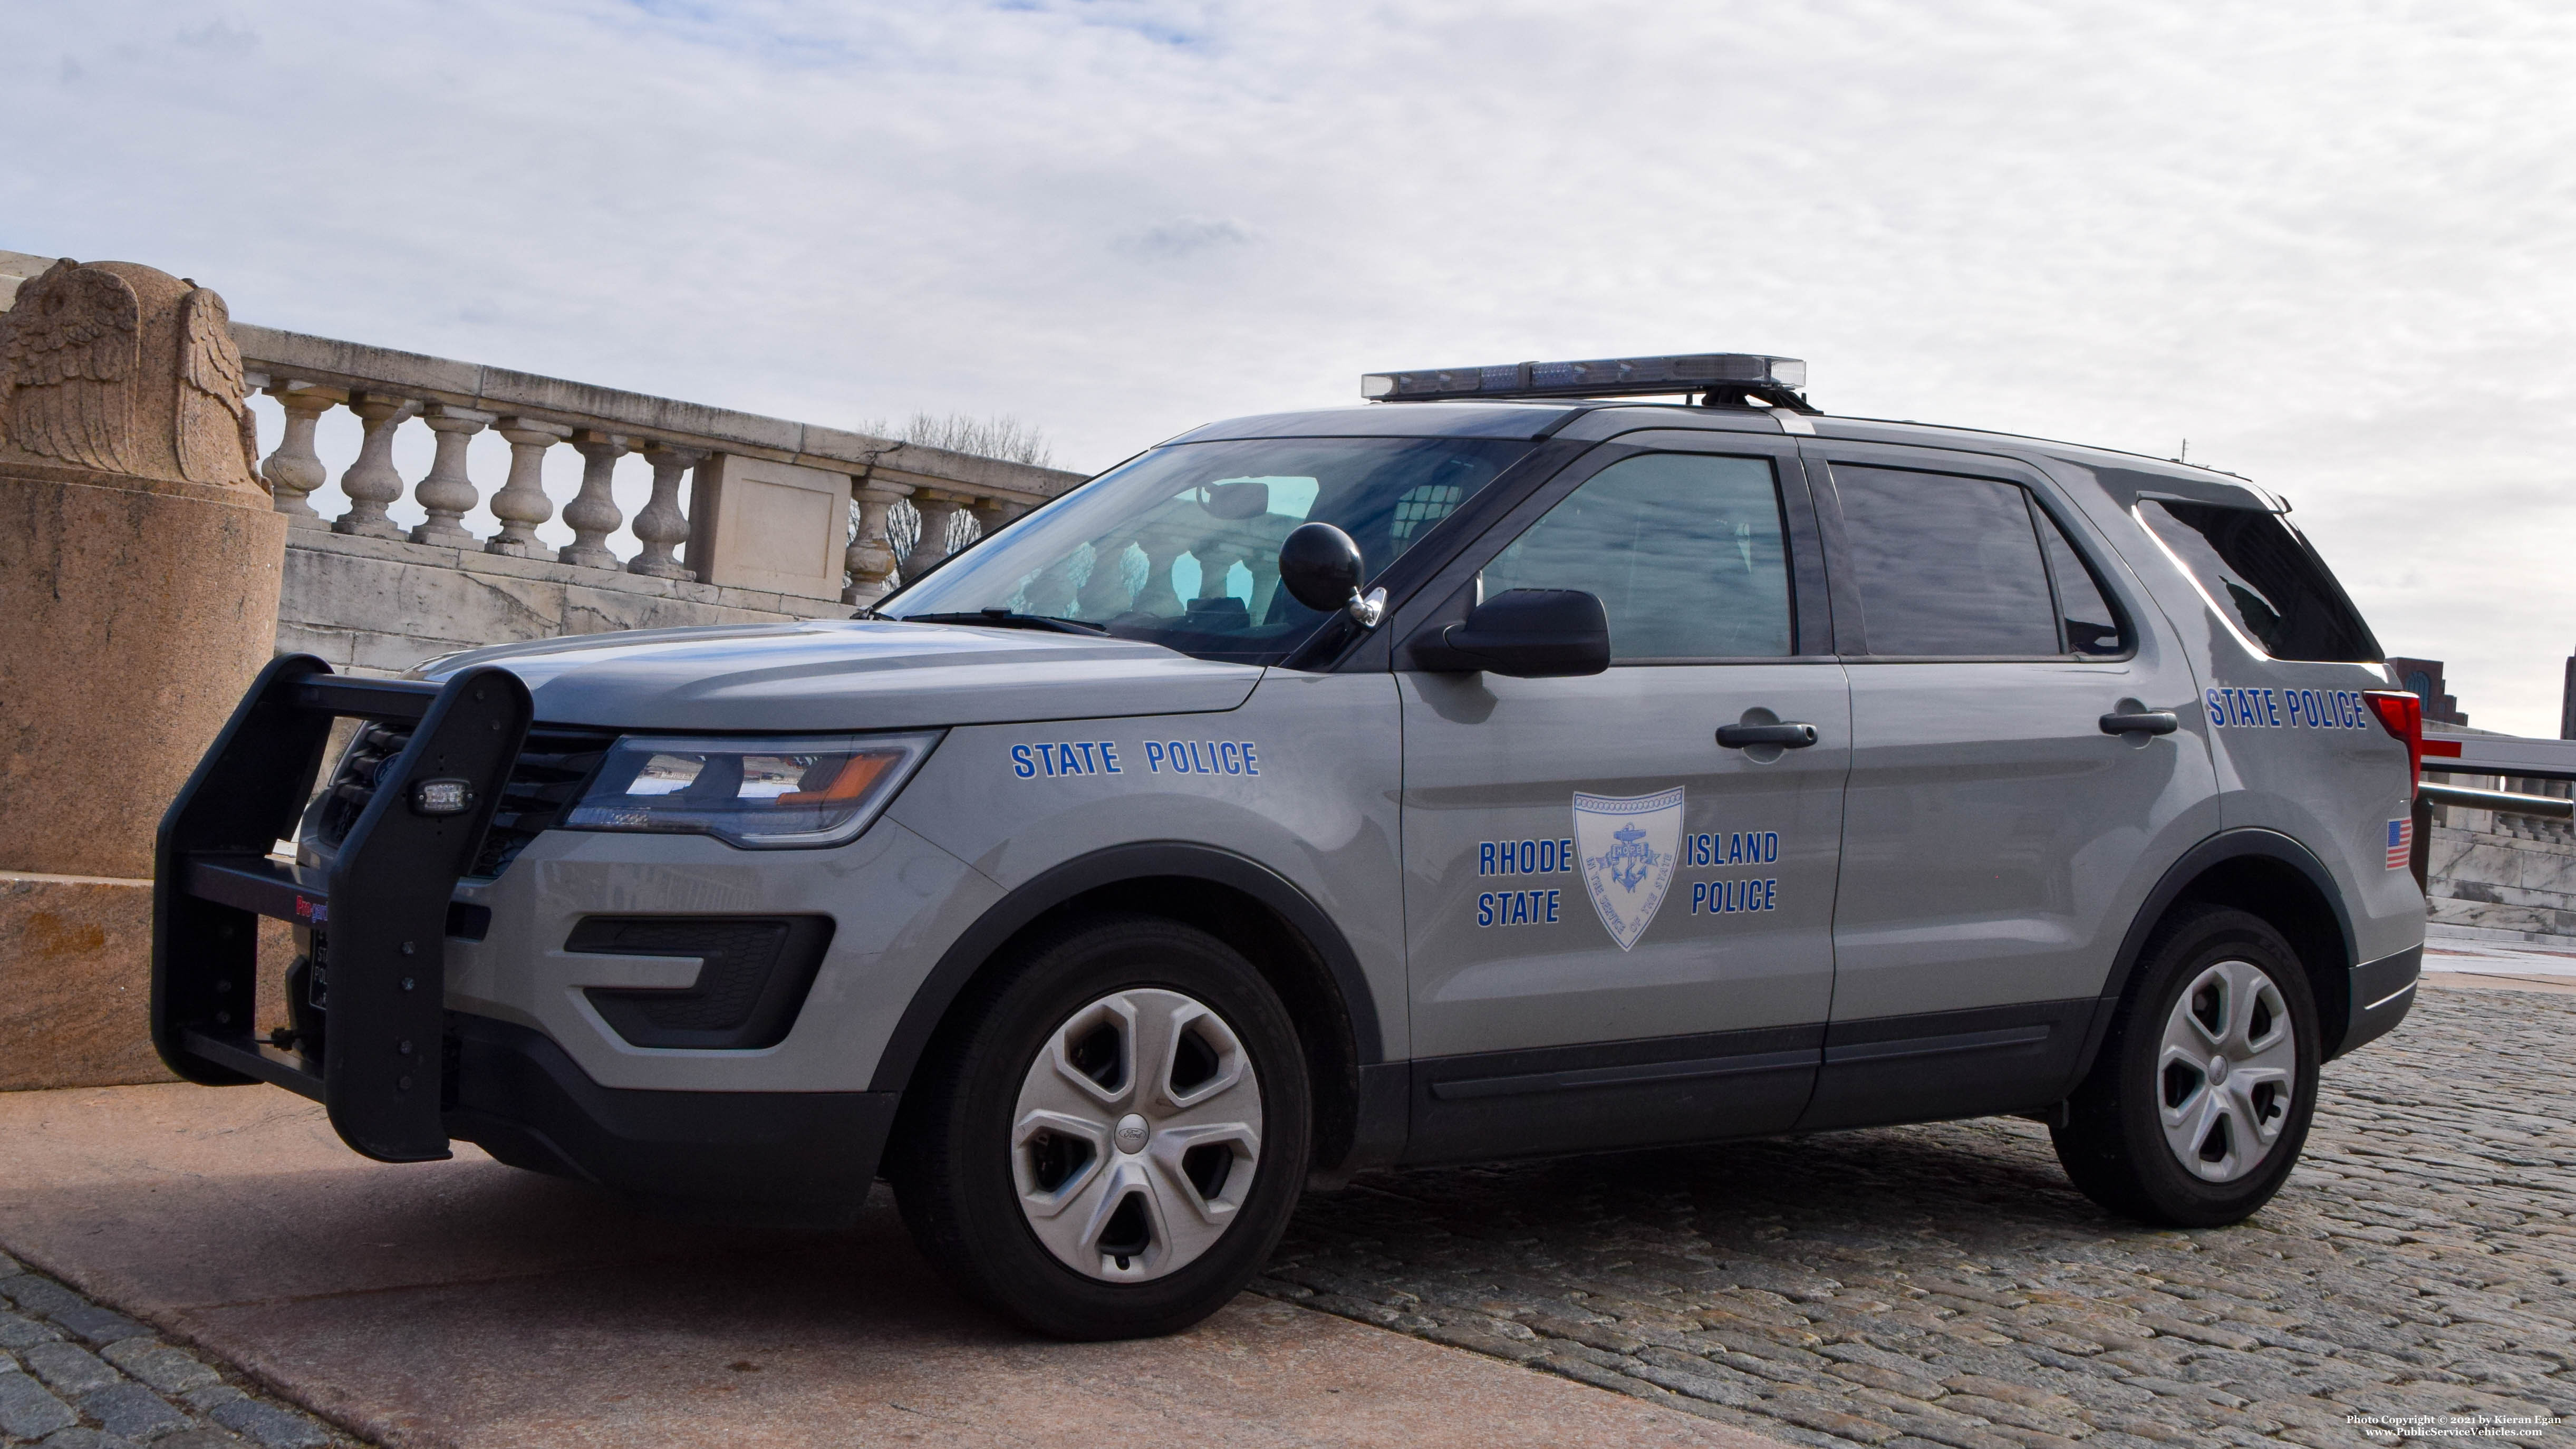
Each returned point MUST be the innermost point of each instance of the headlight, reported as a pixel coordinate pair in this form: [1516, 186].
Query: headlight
[764, 794]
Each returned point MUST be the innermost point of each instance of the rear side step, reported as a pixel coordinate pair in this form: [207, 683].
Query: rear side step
[381, 908]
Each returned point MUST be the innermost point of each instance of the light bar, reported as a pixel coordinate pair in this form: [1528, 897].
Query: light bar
[1772, 379]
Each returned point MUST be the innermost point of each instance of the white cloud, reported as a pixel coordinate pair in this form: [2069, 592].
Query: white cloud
[2329, 244]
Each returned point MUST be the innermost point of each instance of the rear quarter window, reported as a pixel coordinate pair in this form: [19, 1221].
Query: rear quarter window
[2259, 572]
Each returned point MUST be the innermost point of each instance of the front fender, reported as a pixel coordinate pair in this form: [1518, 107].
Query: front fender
[1145, 860]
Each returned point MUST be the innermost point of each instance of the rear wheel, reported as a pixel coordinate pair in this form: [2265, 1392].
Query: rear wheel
[1112, 1144]
[2197, 1107]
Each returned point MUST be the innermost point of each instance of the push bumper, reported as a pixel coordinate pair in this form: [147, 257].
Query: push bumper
[377, 915]
[400, 1074]
[2380, 993]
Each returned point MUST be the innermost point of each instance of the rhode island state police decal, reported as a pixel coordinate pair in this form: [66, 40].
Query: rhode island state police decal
[1629, 846]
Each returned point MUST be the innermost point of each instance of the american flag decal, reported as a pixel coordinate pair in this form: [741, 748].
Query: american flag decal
[2401, 844]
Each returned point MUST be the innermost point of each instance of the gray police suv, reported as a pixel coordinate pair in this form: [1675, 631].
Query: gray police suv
[1552, 758]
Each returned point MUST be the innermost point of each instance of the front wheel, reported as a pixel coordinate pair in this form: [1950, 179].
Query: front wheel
[1111, 1145]
[2196, 1109]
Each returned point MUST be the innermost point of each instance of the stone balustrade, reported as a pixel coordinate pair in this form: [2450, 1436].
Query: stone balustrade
[749, 519]
[760, 541]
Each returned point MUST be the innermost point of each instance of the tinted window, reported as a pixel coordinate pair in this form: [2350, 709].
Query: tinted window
[1684, 550]
[2091, 626]
[2265, 577]
[1945, 565]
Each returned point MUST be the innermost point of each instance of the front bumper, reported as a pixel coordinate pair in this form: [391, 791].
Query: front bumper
[454, 1010]
[894, 900]
[802, 1158]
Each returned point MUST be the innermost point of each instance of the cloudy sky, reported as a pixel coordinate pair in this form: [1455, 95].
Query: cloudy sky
[2334, 246]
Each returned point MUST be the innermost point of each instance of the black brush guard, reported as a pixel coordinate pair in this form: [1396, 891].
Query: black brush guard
[382, 905]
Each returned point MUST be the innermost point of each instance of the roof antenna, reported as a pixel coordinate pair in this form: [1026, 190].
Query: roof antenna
[2186, 452]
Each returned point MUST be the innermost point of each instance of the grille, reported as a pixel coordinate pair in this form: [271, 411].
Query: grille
[549, 773]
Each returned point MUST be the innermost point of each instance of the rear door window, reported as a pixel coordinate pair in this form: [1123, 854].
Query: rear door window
[1945, 566]
[2264, 578]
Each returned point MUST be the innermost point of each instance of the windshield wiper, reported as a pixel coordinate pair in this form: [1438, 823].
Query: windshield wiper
[1007, 619]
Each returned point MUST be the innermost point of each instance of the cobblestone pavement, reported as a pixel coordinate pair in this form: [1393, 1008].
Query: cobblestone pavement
[1944, 1285]
[74, 1375]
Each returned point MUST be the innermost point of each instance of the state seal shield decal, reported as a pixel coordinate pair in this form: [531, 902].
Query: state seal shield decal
[1629, 846]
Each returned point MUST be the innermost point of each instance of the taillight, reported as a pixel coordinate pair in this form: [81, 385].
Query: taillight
[2402, 715]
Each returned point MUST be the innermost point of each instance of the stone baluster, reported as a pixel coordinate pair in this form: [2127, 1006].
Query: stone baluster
[522, 503]
[371, 482]
[936, 509]
[1215, 562]
[871, 559]
[1106, 592]
[594, 514]
[1157, 596]
[447, 494]
[1265, 583]
[1052, 591]
[992, 513]
[295, 470]
[660, 526]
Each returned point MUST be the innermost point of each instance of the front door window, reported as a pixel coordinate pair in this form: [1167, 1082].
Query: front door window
[1685, 551]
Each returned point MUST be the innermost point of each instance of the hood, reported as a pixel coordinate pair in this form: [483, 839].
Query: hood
[852, 675]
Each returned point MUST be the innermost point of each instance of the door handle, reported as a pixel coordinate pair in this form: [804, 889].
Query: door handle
[1792, 736]
[2148, 722]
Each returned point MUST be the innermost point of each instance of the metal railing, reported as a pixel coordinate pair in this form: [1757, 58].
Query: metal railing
[2506, 758]
[2502, 802]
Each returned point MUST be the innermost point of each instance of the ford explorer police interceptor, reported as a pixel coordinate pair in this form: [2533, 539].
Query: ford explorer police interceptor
[1549, 758]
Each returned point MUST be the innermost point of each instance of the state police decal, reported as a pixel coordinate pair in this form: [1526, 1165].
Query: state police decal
[1628, 847]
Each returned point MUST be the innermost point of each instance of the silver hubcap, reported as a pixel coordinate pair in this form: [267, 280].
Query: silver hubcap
[2226, 1072]
[1136, 1135]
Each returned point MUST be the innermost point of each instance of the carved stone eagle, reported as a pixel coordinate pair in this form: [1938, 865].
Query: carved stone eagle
[123, 369]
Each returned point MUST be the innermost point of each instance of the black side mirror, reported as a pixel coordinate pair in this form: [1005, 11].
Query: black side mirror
[1320, 566]
[1525, 633]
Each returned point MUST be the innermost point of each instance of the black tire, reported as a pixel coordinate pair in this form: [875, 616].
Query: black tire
[2115, 1144]
[953, 1160]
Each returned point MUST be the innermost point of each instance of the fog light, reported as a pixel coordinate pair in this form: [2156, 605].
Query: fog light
[442, 797]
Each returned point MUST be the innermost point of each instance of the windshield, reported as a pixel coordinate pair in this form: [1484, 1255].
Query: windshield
[1181, 546]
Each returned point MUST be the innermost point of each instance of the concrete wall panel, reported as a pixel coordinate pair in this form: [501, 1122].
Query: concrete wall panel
[378, 606]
